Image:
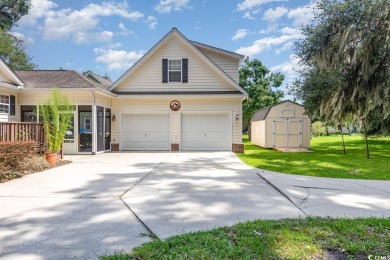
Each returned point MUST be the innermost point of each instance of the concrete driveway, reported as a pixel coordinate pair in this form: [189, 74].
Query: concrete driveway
[116, 201]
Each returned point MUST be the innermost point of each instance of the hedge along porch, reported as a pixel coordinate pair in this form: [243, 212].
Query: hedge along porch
[286, 124]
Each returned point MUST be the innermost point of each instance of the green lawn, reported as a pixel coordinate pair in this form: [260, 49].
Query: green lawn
[311, 238]
[327, 158]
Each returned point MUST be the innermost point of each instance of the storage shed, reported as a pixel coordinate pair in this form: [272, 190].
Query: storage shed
[285, 124]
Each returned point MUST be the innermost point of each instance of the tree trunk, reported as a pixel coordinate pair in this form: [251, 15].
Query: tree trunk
[342, 138]
[365, 139]
[249, 132]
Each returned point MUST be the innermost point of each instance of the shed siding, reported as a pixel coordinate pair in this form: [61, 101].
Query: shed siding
[258, 134]
[281, 111]
[161, 105]
[201, 76]
[226, 63]
[7, 117]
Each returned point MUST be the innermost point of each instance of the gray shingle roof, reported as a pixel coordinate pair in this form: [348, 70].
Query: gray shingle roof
[54, 78]
[261, 114]
[105, 82]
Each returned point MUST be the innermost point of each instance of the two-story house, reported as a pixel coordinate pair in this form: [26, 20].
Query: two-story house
[180, 96]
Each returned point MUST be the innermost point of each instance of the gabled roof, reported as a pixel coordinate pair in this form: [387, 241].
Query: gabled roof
[191, 45]
[98, 79]
[16, 83]
[262, 113]
[64, 79]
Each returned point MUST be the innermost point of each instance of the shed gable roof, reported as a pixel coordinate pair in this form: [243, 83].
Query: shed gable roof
[188, 43]
[262, 113]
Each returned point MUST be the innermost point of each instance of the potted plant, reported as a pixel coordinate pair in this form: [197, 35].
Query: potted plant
[56, 113]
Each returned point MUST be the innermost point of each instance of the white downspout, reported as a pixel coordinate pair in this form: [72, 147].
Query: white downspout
[94, 125]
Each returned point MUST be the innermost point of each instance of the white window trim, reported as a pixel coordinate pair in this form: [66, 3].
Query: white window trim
[90, 124]
[9, 105]
[181, 71]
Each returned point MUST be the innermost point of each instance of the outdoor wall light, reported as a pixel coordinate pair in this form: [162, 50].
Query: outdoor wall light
[237, 117]
[113, 117]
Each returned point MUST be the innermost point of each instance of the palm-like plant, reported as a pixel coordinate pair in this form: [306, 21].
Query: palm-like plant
[56, 114]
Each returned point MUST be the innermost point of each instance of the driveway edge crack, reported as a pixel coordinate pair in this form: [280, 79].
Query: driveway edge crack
[151, 233]
[282, 193]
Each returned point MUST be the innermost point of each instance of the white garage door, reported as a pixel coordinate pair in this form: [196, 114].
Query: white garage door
[205, 132]
[145, 132]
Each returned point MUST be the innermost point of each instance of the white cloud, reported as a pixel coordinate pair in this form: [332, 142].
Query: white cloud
[88, 37]
[249, 4]
[167, 6]
[285, 47]
[274, 14]
[266, 43]
[290, 31]
[302, 15]
[248, 15]
[241, 33]
[123, 30]
[117, 59]
[39, 8]
[289, 68]
[81, 26]
[152, 21]
[23, 38]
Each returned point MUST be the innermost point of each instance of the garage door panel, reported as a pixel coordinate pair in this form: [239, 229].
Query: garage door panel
[145, 132]
[206, 132]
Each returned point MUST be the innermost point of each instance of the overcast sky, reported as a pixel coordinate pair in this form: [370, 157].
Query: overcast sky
[107, 37]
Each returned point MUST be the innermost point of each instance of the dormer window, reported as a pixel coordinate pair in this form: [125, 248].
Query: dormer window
[174, 70]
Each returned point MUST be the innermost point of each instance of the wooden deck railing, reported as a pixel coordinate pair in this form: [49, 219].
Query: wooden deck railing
[21, 131]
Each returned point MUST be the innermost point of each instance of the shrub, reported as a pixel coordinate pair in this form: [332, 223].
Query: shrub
[35, 163]
[12, 153]
[318, 128]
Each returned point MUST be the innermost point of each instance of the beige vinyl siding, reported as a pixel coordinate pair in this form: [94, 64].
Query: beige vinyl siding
[201, 76]
[161, 105]
[7, 117]
[34, 98]
[102, 100]
[228, 64]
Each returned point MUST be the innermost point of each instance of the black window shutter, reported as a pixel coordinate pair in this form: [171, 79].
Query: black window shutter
[12, 105]
[164, 70]
[184, 70]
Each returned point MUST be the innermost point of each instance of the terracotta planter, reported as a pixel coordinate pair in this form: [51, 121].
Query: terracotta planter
[51, 158]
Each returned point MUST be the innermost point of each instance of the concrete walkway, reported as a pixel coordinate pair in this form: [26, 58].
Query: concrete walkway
[116, 201]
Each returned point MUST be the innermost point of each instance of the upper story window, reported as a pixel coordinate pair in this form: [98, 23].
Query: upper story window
[4, 104]
[174, 70]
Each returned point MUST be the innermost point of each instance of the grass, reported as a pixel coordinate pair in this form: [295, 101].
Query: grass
[310, 238]
[327, 158]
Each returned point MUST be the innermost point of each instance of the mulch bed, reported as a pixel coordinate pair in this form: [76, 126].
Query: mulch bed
[5, 177]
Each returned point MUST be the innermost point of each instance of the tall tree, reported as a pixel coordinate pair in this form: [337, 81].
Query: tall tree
[12, 52]
[11, 11]
[262, 87]
[349, 40]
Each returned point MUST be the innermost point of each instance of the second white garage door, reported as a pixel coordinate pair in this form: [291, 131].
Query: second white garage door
[145, 132]
[205, 132]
